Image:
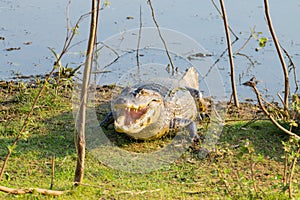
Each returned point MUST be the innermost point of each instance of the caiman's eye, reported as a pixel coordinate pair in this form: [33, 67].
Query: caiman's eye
[156, 100]
[138, 91]
[142, 92]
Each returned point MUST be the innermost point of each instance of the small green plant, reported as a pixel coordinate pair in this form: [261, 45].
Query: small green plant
[295, 110]
[292, 153]
[106, 3]
[262, 41]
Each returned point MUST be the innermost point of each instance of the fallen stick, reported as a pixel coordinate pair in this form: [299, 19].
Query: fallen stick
[31, 190]
[252, 83]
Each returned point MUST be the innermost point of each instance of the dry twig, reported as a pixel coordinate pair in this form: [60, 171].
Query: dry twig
[252, 164]
[278, 49]
[232, 74]
[137, 192]
[252, 83]
[216, 7]
[80, 140]
[216, 61]
[28, 117]
[285, 170]
[292, 66]
[52, 171]
[139, 40]
[292, 174]
[31, 190]
[161, 37]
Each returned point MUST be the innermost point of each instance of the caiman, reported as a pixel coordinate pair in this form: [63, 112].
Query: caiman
[150, 110]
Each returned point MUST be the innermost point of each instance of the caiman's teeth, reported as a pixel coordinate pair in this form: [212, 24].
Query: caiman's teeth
[132, 109]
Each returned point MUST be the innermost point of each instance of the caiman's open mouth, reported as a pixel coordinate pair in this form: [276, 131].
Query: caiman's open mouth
[132, 119]
[133, 114]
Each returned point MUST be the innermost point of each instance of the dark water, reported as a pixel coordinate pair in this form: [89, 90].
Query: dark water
[29, 27]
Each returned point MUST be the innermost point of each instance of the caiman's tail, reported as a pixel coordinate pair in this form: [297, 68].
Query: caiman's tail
[190, 79]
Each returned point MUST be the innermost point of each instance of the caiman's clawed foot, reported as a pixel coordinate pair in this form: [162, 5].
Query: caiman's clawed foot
[203, 153]
[205, 116]
[109, 119]
[196, 142]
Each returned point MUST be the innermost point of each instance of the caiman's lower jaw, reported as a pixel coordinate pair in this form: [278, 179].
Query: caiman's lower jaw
[132, 119]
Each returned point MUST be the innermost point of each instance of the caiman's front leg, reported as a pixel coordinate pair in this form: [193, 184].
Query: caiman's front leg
[189, 124]
[200, 103]
[109, 119]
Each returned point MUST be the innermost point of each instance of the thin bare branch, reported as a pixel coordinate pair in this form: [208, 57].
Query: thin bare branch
[139, 40]
[161, 37]
[232, 75]
[278, 49]
[68, 19]
[138, 192]
[31, 190]
[292, 66]
[110, 48]
[285, 170]
[252, 63]
[252, 164]
[280, 97]
[252, 84]
[245, 44]
[89, 185]
[52, 171]
[71, 32]
[27, 118]
[216, 61]
[215, 5]
[114, 51]
[80, 140]
[292, 173]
